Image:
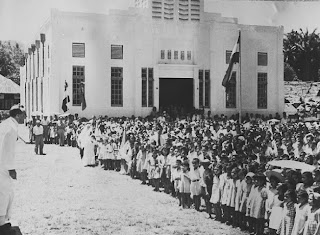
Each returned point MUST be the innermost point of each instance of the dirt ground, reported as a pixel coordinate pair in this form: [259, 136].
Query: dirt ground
[55, 194]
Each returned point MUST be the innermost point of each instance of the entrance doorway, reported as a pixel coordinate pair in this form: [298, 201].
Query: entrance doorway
[176, 93]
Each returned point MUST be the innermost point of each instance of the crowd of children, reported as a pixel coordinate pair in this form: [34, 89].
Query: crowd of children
[220, 165]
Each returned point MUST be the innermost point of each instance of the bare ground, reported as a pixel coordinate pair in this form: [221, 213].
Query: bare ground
[55, 194]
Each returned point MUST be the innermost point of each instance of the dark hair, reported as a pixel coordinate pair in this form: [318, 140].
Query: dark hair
[283, 188]
[292, 195]
[186, 163]
[276, 179]
[15, 112]
[309, 177]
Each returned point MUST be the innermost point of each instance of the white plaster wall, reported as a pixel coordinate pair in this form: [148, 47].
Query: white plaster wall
[143, 39]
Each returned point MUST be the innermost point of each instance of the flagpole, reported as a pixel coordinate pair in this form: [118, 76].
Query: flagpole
[240, 62]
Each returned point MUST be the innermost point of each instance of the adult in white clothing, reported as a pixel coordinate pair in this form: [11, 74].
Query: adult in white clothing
[88, 152]
[8, 139]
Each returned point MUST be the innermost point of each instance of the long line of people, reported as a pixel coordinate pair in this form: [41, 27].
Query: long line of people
[215, 162]
[218, 163]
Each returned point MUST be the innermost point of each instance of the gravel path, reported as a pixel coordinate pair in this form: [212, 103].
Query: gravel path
[55, 194]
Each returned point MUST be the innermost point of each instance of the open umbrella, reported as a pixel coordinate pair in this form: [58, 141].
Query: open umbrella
[292, 165]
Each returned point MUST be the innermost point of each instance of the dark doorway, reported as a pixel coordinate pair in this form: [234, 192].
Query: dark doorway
[176, 92]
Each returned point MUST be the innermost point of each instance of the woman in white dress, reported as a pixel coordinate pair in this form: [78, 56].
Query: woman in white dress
[88, 153]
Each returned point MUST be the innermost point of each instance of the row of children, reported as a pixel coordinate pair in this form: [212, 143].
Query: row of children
[239, 196]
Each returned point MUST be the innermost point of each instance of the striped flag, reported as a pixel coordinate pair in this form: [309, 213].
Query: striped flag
[82, 97]
[66, 98]
[234, 58]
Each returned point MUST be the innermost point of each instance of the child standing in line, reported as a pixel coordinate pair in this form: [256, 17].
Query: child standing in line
[257, 206]
[207, 181]
[176, 176]
[195, 186]
[215, 195]
[225, 195]
[312, 226]
[302, 208]
[109, 154]
[289, 213]
[240, 187]
[232, 195]
[244, 219]
[185, 185]
[275, 208]
[102, 151]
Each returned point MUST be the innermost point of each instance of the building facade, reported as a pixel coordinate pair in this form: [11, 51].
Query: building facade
[158, 53]
[9, 93]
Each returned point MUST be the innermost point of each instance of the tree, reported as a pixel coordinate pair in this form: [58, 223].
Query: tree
[301, 52]
[11, 58]
[289, 73]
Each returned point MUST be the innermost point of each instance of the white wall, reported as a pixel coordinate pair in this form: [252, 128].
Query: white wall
[143, 38]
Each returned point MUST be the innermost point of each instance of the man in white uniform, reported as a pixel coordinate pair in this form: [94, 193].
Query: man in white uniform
[8, 139]
[38, 134]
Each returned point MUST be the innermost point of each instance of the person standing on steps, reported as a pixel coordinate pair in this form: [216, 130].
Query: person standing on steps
[8, 139]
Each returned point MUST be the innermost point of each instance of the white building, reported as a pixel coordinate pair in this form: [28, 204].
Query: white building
[160, 52]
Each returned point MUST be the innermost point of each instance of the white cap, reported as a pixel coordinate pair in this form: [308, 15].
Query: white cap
[17, 106]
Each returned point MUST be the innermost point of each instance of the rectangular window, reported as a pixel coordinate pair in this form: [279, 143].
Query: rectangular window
[176, 55]
[147, 87]
[117, 52]
[189, 55]
[162, 54]
[116, 86]
[262, 59]
[144, 86]
[228, 55]
[231, 92]
[78, 77]
[262, 91]
[182, 55]
[200, 88]
[207, 88]
[150, 87]
[169, 55]
[78, 50]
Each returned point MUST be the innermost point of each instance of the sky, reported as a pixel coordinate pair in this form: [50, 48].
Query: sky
[21, 19]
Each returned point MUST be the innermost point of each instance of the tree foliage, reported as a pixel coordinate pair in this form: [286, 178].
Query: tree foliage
[11, 58]
[302, 53]
[289, 73]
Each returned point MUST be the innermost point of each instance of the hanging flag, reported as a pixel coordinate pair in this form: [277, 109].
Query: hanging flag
[66, 98]
[82, 97]
[234, 58]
